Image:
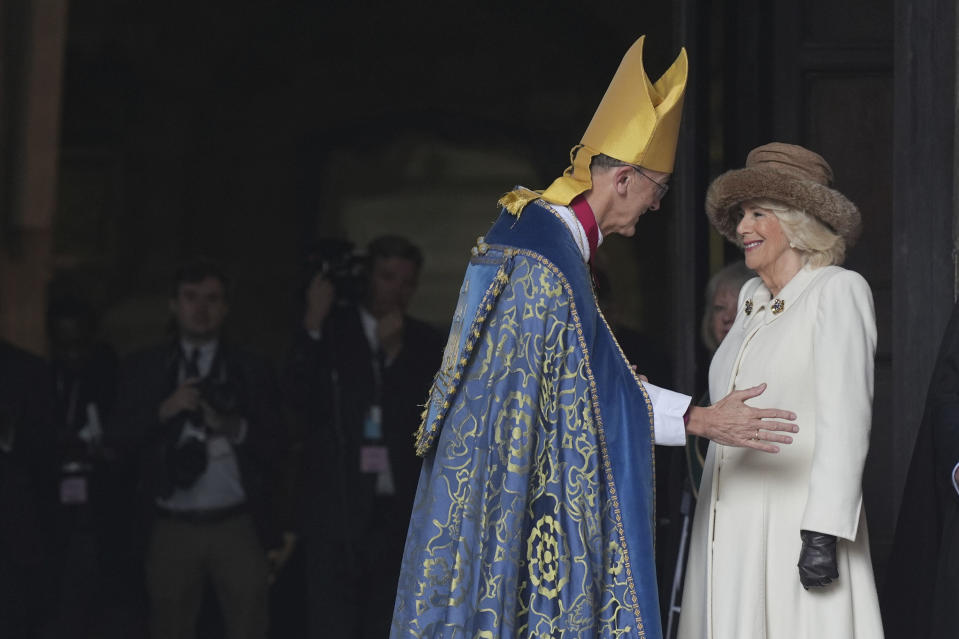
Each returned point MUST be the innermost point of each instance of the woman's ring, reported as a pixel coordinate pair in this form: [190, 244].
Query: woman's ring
[757, 433]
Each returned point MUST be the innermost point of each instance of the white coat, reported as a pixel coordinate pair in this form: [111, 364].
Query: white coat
[816, 356]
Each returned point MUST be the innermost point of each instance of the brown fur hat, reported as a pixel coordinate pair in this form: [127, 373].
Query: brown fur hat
[784, 173]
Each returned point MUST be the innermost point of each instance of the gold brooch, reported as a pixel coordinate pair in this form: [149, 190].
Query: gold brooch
[749, 307]
[778, 306]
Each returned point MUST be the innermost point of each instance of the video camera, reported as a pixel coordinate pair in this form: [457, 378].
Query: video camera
[341, 264]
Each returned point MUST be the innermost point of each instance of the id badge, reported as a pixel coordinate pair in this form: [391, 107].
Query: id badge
[373, 424]
[73, 490]
[374, 459]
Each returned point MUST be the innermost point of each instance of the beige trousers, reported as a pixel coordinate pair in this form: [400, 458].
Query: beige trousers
[182, 556]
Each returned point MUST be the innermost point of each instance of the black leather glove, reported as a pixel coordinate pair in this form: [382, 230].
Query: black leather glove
[817, 559]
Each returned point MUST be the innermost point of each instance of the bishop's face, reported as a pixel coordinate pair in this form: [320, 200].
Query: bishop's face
[643, 190]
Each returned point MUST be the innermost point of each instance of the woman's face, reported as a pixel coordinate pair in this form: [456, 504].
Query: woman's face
[763, 239]
[724, 312]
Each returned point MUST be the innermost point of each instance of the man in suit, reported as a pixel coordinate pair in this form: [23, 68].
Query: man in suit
[357, 376]
[27, 490]
[922, 579]
[202, 417]
[91, 514]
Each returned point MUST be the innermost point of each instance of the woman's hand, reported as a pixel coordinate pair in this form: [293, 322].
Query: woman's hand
[817, 559]
[731, 422]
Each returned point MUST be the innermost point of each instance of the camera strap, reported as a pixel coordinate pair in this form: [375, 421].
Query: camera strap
[373, 422]
[379, 366]
[190, 369]
[374, 456]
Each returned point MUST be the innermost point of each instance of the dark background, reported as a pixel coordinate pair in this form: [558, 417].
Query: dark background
[225, 130]
[134, 135]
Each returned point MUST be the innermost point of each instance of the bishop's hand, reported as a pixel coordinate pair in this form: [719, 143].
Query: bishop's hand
[731, 422]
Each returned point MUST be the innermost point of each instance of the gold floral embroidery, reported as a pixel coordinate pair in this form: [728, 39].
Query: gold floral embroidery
[546, 554]
[524, 378]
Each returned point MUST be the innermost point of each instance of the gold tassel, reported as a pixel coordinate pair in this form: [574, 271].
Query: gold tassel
[517, 199]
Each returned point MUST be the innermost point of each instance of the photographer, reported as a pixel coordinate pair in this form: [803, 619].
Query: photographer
[202, 416]
[359, 371]
[91, 512]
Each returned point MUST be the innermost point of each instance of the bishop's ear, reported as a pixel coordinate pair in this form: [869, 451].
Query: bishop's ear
[622, 175]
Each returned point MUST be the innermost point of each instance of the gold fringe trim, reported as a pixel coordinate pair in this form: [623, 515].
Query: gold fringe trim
[517, 199]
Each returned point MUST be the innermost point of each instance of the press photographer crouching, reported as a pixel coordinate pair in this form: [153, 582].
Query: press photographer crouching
[204, 417]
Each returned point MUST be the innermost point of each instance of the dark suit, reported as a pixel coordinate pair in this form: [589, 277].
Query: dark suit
[354, 559]
[922, 580]
[28, 476]
[146, 380]
[93, 519]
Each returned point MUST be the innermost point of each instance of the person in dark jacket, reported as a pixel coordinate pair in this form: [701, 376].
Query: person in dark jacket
[358, 373]
[92, 515]
[203, 417]
[922, 579]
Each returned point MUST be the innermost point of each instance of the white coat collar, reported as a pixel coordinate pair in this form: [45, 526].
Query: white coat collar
[762, 304]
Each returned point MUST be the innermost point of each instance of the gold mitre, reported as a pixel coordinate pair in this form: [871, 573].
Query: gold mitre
[637, 122]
